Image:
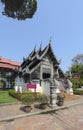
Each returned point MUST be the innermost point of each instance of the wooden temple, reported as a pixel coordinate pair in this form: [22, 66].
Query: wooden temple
[39, 68]
[40, 65]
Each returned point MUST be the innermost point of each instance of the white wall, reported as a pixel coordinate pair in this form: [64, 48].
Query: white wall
[46, 87]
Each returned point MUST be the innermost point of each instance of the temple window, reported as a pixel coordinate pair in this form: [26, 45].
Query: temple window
[46, 73]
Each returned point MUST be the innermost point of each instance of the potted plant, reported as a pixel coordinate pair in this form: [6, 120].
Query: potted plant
[60, 99]
[28, 101]
[43, 100]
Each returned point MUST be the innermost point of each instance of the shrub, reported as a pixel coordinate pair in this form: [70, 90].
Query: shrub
[78, 92]
[17, 94]
[42, 98]
[27, 99]
[12, 93]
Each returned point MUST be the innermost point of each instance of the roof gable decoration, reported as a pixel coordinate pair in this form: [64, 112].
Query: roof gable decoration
[35, 57]
[39, 54]
[49, 50]
[32, 54]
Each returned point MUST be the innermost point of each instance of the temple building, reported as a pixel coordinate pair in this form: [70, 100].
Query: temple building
[39, 67]
[7, 68]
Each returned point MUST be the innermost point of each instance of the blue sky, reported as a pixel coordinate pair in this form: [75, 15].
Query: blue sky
[60, 19]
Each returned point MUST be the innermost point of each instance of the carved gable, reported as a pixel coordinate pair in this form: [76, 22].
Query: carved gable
[40, 64]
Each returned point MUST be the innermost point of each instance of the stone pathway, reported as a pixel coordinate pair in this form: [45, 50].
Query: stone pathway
[66, 119]
[7, 111]
[10, 110]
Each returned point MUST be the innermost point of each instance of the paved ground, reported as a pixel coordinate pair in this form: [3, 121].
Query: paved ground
[70, 118]
[65, 119]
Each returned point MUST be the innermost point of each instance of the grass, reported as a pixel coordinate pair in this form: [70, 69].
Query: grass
[6, 98]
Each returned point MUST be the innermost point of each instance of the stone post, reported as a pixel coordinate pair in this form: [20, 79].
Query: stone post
[53, 95]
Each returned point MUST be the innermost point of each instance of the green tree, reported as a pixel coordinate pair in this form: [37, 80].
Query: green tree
[19, 9]
[77, 64]
[77, 68]
[76, 83]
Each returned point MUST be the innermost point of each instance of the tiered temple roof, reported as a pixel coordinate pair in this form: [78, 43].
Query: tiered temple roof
[35, 57]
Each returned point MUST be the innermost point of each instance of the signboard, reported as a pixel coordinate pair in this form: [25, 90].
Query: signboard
[32, 86]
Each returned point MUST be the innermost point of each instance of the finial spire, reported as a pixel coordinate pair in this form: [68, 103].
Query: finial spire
[50, 40]
[35, 48]
[41, 45]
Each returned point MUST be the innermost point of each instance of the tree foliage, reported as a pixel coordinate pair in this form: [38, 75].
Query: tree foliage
[77, 68]
[19, 9]
[78, 59]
